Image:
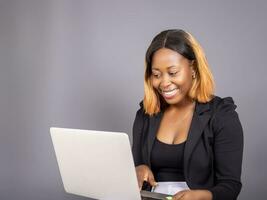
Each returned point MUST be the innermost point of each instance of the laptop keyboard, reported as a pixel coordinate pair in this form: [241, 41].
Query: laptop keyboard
[146, 195]
[148, 198]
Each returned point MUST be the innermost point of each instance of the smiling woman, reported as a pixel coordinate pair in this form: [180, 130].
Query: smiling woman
[173, 79]
[176, 54]
[183, 134]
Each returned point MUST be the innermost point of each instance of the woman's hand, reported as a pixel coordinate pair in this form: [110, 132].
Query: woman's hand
[144, 174]
[193, 195]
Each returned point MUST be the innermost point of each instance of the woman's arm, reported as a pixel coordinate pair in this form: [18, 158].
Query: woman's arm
[137, 137]
[228, 151]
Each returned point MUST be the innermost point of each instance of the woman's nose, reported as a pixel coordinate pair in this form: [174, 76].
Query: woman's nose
[165, 82]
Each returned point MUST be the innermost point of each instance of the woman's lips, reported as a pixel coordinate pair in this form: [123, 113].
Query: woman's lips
[169, 94]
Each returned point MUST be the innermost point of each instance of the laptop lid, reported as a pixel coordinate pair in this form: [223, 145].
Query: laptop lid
[96, 164]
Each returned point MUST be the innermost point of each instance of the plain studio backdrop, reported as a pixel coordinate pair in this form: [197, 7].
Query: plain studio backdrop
[80, 64]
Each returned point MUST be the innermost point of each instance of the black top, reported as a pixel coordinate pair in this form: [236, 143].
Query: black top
[213, 149]
[167, 161]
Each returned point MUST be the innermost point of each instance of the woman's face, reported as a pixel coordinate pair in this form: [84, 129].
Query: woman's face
[171, 75]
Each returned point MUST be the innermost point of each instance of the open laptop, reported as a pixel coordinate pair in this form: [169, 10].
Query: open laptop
[98, 164]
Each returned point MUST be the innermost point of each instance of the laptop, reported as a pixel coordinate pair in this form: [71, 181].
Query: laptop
[98, 165]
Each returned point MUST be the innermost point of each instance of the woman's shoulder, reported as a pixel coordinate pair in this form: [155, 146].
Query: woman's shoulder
[141, 104]
[222, 104]
[140, 112]
[223, 111]
[225, 119]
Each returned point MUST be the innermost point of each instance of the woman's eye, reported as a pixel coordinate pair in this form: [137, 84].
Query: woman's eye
[156, 75]
[173, 73]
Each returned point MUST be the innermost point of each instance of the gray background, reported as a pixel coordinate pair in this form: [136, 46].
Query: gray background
[80, 64]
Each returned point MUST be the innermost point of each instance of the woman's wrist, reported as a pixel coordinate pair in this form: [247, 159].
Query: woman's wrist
[193, 195]
[205, 195]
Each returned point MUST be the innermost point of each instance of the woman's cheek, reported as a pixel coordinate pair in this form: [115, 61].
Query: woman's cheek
[155, 83]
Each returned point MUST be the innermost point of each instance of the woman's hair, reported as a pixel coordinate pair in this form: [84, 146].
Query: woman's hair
[184, 43]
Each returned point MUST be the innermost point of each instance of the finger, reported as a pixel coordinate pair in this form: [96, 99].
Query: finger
[152, 181]
[179, 195]
[140, 184]
[141, 181]
[145, 177]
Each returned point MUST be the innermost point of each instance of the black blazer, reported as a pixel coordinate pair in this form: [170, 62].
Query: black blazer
[213, 150]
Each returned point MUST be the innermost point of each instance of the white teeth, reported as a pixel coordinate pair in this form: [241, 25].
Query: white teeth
[170, 93]
[169, 90]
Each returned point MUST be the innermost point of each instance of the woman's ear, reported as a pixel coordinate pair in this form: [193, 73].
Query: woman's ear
[192, 62]
[193, 74]
[193, 69]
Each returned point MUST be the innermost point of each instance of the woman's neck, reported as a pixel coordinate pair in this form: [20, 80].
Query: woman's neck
[185, 105]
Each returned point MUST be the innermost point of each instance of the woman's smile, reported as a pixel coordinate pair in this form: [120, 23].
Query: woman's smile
[170, 93]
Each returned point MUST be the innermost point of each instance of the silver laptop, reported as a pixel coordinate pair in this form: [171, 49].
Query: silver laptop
[98, 164]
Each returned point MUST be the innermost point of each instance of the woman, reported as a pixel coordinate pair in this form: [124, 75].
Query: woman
[182, 131]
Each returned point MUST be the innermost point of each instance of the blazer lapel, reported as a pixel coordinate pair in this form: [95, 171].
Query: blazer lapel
[200, 119]
[154, 123]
